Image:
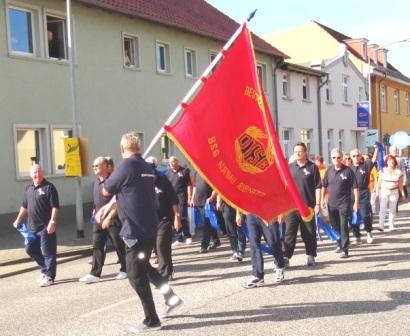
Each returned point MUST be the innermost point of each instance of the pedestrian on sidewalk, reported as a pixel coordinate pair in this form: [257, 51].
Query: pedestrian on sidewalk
[307, 179]
[133, 185]
[108, 228]
[40, 206]
[339, 181]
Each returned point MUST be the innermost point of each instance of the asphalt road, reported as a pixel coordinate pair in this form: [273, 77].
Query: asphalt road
[366, 294]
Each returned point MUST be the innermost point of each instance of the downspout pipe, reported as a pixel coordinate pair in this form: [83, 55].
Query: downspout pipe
[319, 112]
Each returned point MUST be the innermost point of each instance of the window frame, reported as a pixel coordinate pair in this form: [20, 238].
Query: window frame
[167, 57]
[44, 147]
[263, 72]
[306, 136]
[193, 54]
[407, 103]
[396, 101]
[341, 139]
[54, 170]
[35, 36]
[305, 89]
[383, 100]
[57, 15]
[328, 91]
[345, 89]
[287, 82]
[330, 142]
[136, 51]
[287, 143]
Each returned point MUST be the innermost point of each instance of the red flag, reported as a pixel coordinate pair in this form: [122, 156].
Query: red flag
[227, 133]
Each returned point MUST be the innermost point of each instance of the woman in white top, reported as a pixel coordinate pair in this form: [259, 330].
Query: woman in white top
[389, 184]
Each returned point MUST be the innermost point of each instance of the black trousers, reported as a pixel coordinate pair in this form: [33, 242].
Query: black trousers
[237, 238]
[339, 218]
[183, 210]
[163, 247]
[293, 222]
[140, 274]
[99, 241]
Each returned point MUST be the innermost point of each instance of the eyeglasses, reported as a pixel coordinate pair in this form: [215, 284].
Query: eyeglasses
[336, 157]
[95, 166]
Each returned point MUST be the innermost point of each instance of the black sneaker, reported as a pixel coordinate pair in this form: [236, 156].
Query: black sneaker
[214, 244]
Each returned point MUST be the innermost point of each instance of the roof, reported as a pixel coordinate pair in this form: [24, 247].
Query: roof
[194, 16]
[341, 38]
[302, 68]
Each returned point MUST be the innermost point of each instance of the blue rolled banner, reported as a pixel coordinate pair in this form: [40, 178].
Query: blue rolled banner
[356, 218]
[211, 215]
[330, 232]
[28, 235]
[198, 217]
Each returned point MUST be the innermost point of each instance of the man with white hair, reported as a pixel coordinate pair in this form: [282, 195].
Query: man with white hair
[132, 182]
[40, 206]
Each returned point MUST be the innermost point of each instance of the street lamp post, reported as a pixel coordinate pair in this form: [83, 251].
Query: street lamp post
[369, 71]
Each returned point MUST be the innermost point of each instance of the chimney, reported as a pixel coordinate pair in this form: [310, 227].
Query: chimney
[371, 51]
[359, 45]
[382, 57]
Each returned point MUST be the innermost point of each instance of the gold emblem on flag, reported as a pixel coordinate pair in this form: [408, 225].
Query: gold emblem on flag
[254, 153]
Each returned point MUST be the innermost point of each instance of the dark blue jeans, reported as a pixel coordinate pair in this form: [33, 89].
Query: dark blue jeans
[43, 250]
[339, 218]
[365, 210]
[209, 232]
[257, 229]
[236, 236]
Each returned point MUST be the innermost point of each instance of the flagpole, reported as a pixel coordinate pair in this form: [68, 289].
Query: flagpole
[197, 84]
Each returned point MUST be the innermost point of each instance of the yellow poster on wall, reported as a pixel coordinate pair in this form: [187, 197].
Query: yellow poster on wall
[72, 157]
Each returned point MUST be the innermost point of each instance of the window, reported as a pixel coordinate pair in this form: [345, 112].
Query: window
[396, 98]
[167, 147]
[306, 137]
[22, 30]
[58, 134]
[407, 102]
[285, 85]
[345, 88]
[341, 139]
[328, 89]
[330, 144]
[287, 142]
[131, 51]
[163, 60]
[212, 55]
[56, 37]
[190, 63]
[261, 68]
[382, 98]
[305, 88]
[30, 148]
[361, 93]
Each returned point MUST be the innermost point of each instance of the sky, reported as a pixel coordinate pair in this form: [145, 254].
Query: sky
[380, 24]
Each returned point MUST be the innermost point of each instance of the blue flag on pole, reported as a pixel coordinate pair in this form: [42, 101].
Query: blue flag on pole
[28, 235]
[330, 232]
[211, 215]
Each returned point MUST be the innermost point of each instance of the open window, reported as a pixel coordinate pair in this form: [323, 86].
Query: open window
[56, 37]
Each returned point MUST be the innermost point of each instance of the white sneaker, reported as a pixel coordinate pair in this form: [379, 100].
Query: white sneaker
[369, 238]
[46, 282]
[176, 243]
[188, 241]
[356, 241]
[41, 277]
[143, 328]
[89, 278]
[279, 275]
[121, 276]
[253, 282]
[173, 303]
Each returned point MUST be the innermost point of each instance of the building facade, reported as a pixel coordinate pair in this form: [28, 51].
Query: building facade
[134, 62]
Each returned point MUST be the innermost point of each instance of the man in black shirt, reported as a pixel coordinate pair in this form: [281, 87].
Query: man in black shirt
[181, 181]
[100, 234]
[168, 214]
[133, 185]
[362, 173]
[40, 205]
[307, 179]
[339, 181]
[203, 193]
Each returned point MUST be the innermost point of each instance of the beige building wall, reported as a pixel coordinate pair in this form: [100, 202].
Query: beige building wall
[111, 98]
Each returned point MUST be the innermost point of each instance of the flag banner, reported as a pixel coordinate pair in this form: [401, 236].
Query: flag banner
[227, 133]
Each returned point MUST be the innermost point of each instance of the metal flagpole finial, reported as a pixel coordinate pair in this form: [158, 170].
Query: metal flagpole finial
[250, 17]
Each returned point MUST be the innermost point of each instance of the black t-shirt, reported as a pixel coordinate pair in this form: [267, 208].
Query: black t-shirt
[133, 184]
[340, 184]
[39, 202]
[180, 180]
[202, 191]
[166, 197]
[362, 173]
[99, 199]
[307, 180]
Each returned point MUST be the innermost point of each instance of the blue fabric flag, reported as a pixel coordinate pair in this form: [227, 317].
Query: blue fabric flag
[380, 159]
[319, 236]
[28, 235]
[211, 215]
[330, 232]
[356, 218]
[198, 217]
